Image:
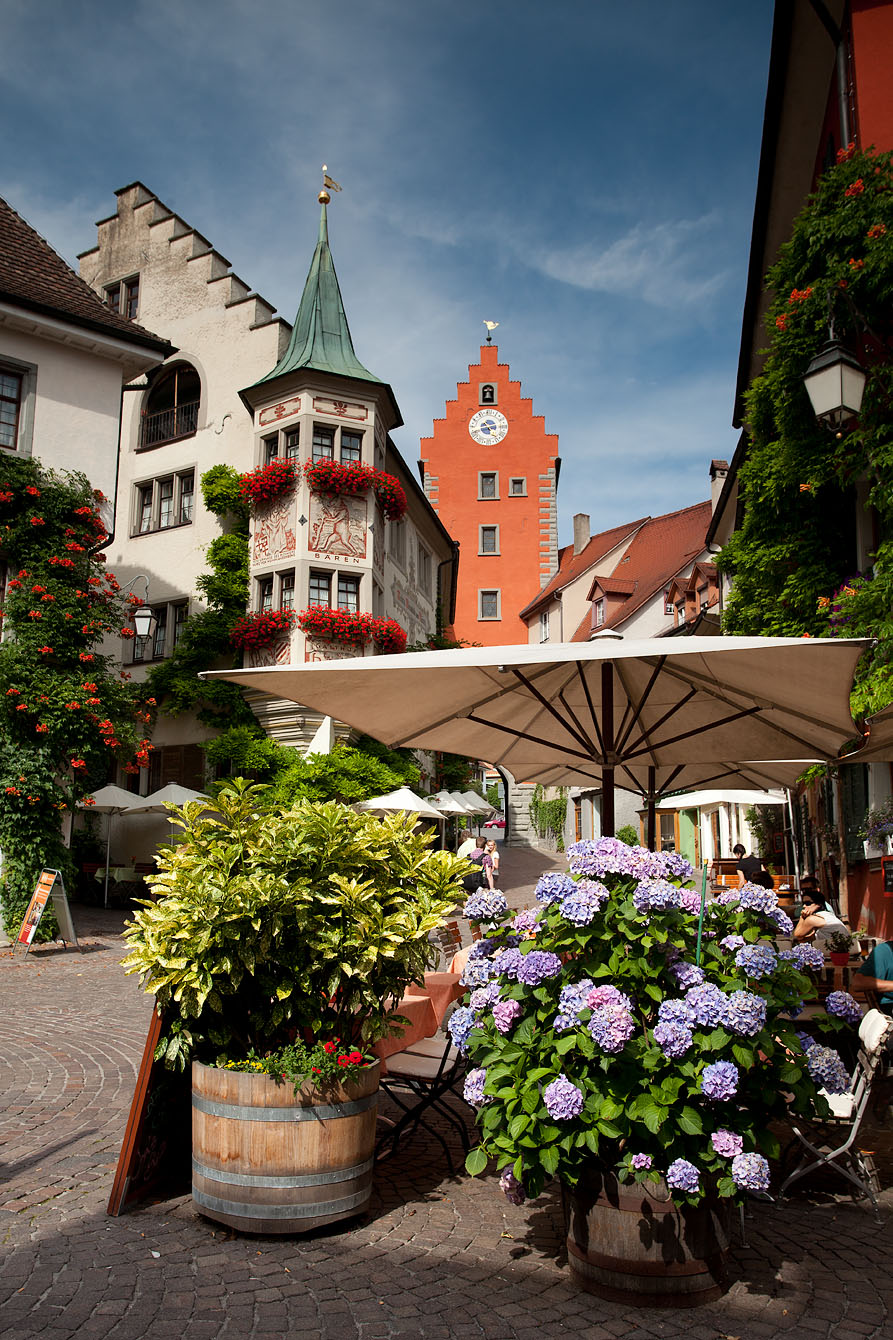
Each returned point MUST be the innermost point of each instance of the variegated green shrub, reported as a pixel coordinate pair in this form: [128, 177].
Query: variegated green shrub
[265, 924]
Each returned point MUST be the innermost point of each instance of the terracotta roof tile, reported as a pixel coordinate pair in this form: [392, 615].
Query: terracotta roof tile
[571, 565]
[659, 550]
[34, 276]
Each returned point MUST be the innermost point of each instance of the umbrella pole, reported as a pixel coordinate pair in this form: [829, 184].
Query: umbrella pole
[652, 818]
[608, 741]
[108, 843]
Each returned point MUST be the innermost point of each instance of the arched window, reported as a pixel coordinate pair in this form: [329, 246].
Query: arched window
[171, 409]
[488, 394]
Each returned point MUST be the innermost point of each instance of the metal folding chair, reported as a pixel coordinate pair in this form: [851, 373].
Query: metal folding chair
[819, 1144]
[418, 1080]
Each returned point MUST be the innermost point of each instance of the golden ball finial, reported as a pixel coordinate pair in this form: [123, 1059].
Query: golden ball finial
[323, 197]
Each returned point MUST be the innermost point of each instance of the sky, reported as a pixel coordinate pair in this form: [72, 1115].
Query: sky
[581, 172]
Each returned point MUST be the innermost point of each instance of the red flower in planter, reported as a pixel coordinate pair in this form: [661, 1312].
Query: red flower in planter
[351, 480]
[268, 482]
[259, 627]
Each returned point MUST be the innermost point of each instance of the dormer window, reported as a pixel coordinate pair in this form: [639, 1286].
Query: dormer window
[599, 612]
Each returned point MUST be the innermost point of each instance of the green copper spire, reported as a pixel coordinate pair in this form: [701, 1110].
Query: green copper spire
[321, 336]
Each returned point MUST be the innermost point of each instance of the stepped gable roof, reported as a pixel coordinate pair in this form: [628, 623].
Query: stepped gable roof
[571, 565]
[659, 550]
[35, 277]
[320, 339]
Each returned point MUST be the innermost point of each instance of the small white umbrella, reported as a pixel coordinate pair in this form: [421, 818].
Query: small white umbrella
[109, 800]
[476, 803]
[444, 802]
[158, 801]
[403, 800]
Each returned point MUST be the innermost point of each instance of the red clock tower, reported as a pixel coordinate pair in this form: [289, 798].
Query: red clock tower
[490, 471]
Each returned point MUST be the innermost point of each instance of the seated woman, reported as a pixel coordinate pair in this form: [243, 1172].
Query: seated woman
[817, 921]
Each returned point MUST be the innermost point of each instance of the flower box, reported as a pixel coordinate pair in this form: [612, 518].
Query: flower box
[268, 482]
[260, 627]
[351, 627]
[354, 479]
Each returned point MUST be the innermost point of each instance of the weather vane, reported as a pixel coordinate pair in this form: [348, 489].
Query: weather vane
[491, 326]
[328, 184]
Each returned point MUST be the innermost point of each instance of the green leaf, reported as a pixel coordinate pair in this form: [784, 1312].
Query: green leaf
[475, 1161]
[549, 1159]
[690, 1121]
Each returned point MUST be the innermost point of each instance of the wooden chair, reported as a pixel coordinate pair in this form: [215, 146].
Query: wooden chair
[419, 1080]
[820, 1147]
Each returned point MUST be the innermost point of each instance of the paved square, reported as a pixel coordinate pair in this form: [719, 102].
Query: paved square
[436, 1257]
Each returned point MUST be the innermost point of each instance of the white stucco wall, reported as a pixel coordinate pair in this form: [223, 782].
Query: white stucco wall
[75, 402]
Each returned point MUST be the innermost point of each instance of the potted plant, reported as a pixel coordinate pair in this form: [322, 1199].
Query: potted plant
[276, 947]
[636, 1042]
[877, 827]
[839, 945]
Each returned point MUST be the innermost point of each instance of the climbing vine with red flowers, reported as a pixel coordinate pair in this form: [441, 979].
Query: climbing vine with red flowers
[67, 713]
[792, 558]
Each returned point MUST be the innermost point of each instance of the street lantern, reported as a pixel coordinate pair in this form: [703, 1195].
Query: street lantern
[834, 381]
[144, 621]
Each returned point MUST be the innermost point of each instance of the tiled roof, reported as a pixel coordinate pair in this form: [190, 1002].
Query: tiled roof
[571, 565]
[660, 549]
[614, 586]
[34, 276]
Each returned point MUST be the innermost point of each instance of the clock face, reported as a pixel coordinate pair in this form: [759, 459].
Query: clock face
[488, 427]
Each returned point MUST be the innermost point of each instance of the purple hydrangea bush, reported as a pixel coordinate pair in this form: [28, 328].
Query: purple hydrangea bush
[603, 1026]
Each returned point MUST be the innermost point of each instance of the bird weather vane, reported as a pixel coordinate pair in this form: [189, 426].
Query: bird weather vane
[328, 183]
[491, 326]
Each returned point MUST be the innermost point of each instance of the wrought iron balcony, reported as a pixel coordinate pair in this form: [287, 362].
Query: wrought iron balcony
[169, 424]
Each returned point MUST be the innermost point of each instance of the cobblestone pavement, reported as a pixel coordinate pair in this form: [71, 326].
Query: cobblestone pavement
[436, 1257]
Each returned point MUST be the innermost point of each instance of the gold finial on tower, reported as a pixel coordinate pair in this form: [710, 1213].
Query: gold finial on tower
[328, 184]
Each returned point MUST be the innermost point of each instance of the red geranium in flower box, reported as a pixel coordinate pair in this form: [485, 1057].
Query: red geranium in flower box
[353, 479]
[353, 628]
[259, 627]
[268, 482]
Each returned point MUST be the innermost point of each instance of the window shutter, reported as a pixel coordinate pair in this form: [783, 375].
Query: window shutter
[854, 801]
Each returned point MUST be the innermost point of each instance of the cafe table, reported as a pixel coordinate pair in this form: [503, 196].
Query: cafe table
[425, 1007]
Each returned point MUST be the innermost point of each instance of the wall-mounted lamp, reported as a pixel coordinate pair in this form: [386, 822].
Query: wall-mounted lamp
[835, 381]
[144, 619]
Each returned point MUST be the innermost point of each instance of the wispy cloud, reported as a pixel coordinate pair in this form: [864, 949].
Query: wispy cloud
[657, 263]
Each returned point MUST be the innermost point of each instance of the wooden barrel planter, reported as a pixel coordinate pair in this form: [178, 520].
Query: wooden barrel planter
[636, 1246]
[267, 1160]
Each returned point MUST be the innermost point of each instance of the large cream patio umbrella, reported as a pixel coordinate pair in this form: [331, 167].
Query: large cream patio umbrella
[604, 704]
